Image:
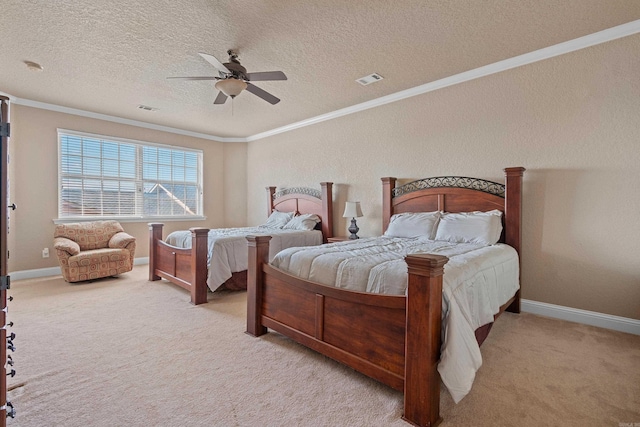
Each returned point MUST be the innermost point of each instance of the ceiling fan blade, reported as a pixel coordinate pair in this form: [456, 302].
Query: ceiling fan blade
[261, 93]
[221, 98]
[213, 61]
[195, 78]
[266, 75]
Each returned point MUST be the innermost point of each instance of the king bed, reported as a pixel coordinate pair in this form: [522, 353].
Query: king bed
[407, 339]
[200, 259]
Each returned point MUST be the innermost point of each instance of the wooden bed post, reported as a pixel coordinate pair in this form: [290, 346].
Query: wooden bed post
[422, 339]
[270, 192]
[327, 210]
[513, 220]
[155, 235]
[388, 184]
[198, 289]
[258, 256]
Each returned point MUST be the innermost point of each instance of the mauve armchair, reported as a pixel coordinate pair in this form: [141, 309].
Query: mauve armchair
[91, 250]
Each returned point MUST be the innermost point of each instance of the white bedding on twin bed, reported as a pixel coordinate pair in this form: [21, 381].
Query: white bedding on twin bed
[477, 281]
[228, 251]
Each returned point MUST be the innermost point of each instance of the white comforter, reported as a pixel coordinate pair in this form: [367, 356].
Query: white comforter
[477, 281]
[228, 251]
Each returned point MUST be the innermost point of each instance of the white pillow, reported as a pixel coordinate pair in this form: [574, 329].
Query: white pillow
[302, 222]
[278, 219]
[413, 224]
[470, 227]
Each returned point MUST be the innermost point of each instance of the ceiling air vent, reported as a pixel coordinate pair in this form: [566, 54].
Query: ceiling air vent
[147, 108]
[371, 78]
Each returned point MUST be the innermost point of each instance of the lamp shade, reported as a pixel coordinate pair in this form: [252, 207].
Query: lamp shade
[352, 210]
[231, 87]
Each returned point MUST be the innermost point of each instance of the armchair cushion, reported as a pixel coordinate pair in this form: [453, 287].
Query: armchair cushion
[67, 245]
[121, 240]
[89, 235]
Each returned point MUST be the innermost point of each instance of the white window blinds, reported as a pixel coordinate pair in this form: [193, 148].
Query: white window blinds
[111, 177]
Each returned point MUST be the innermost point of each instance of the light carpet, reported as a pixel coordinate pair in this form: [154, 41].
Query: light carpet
[128, 352]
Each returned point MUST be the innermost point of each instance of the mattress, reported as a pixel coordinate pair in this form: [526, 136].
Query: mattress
[227, 247]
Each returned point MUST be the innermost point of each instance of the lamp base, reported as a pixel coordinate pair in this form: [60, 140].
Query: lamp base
[353, 229]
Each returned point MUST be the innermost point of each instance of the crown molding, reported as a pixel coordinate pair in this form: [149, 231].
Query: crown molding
[115, 119]
[599, 37]
[603, 36]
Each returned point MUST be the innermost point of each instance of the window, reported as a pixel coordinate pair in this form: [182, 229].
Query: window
[106, 177]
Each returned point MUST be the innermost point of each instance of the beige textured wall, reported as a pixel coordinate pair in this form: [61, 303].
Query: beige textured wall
[572, 121]
[33, 181]
[235, 184]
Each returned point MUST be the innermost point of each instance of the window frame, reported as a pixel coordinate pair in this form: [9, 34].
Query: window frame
[139, 215]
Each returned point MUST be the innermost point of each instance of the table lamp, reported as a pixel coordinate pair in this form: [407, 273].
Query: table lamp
[352, 210]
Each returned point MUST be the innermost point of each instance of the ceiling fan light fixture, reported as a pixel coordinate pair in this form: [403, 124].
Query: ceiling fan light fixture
[233, 79]
[231, 87]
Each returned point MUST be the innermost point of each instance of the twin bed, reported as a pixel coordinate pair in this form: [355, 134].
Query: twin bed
[406, 340]
[200, 259]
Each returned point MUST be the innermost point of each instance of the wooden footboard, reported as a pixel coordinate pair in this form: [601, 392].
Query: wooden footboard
[393, 339]
[186, 268]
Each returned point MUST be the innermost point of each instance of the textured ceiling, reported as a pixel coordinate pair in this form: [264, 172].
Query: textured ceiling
[108, 57]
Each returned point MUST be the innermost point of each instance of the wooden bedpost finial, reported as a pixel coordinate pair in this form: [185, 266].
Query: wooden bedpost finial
[270, 192]
[388, 184]
[513, 206]
[327, 209]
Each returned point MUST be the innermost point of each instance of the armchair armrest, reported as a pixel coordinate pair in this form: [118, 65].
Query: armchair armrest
[121, 240]
[66, 245]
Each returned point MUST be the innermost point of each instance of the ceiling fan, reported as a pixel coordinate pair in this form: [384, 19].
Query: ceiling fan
[233, 78]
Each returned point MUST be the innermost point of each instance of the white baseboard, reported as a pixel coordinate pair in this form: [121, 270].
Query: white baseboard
[33, 274]
[55, 271]
[608, 321]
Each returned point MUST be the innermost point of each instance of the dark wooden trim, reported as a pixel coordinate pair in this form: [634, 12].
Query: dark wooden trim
[155, 235]
[4, 254]
[199, 239]
[422, 342]
[270, 192]
[327, 210]
[513, 226]
[319, 317]
[258, 256]
[388, 184]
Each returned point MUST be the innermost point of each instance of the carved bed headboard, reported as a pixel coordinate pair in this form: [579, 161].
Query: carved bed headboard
[304, 200]
[459, 194]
